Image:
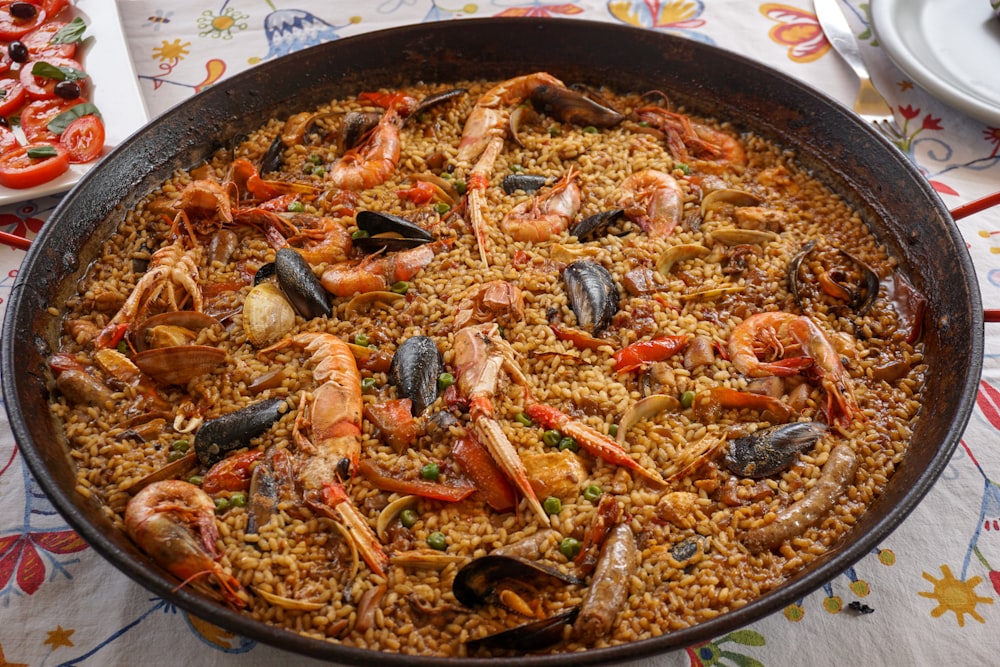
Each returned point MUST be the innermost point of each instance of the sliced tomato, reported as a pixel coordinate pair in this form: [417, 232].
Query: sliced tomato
[5, 61]
[12, 28]
[51, 7]
[38, 44]
[18, 170]
[8, 140]
[83, 139]
[36, 116]
[42, 87]
[11, 96]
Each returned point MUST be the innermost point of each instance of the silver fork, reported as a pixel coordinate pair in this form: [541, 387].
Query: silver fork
[869, 104]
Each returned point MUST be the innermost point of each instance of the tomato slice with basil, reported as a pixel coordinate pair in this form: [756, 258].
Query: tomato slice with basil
[11, 96]
[43, 87]
[12, 28]
[38, 42]
[19, 170]
[8, 140]
[83, 139]
[35, 118]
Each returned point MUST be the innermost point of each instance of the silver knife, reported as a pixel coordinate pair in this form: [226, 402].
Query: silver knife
[869, 104]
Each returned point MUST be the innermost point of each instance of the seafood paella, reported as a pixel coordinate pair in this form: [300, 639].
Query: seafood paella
[505, 367]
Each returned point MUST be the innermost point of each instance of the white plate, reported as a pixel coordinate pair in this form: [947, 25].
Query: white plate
[950, 47]
[114, 86]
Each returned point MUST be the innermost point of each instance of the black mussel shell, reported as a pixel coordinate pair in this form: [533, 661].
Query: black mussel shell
[300, 284]
[475, 581]
[437, 98]
[415, 369]
[354, 127]
[571, 106]
[591, 227]
[532, 636]
[592, 294]
[218, 437]
[772, 450]
[528, 182]
[265, 272]
[272, 159]
[388, 231]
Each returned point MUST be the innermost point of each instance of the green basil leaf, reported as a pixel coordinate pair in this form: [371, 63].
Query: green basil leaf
[58, 124]
[70, 33]
[42, 152]
[49, 71]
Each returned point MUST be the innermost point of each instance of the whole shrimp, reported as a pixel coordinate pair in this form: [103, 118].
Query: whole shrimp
[547, 214]
[483, 136]
[778, 334]
[381, 271]
[173, 522]
[689, 140]
[171, 267]
[480, 356]
[330, 453]
[373, 161]
[653, 200]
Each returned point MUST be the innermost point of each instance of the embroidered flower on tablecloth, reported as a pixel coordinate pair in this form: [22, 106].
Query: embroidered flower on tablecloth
[797, 29]
[677, 15]
[955, 595]
[221, 25]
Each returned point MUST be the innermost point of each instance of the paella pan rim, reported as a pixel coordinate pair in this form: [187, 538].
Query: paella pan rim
[852, 157]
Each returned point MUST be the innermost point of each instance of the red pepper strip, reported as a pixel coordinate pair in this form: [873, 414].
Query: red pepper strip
[580, 339]
[64, 362]
[231, 473]
[384, 480]
[394, 422]
[421, 193]
[647, 351]
[475, 461]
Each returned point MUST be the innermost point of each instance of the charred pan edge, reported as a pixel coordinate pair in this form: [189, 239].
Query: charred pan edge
[895, 200]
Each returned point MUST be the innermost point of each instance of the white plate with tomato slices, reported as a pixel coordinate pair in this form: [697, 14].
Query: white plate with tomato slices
[65, 103]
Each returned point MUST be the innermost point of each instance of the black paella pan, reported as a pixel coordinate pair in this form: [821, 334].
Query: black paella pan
[892, 196]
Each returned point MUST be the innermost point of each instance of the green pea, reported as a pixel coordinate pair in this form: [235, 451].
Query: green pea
[122, 347]
[296, 207]
[408, 518]
[445, 380]
[552, 505]
[361, 340]
[308, 168]
[461, 187]
[359, 234]
[568, 443]
[437, 540]
[687, 399]
[181, 445]
[314, 159]
[570, 547]
[551, 438]
[238, 499]
[683, 167]
[590, 129]
[367, 384]
[431, 471]
[221, 505]
[592, 492]
[613, 430]
[554, 131]
[196, 480]
[319, 171]
[523, 419]
[174, 455]
[516, 168]
[441, 208]
[401, 287]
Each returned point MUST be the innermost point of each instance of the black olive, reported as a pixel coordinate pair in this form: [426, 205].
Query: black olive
[18, 52]
[68, 90]
[23, 10]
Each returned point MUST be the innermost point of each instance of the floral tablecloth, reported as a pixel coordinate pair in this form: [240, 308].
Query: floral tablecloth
[932, 588]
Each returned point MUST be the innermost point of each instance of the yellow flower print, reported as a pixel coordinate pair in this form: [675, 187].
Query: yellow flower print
[175, 50]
